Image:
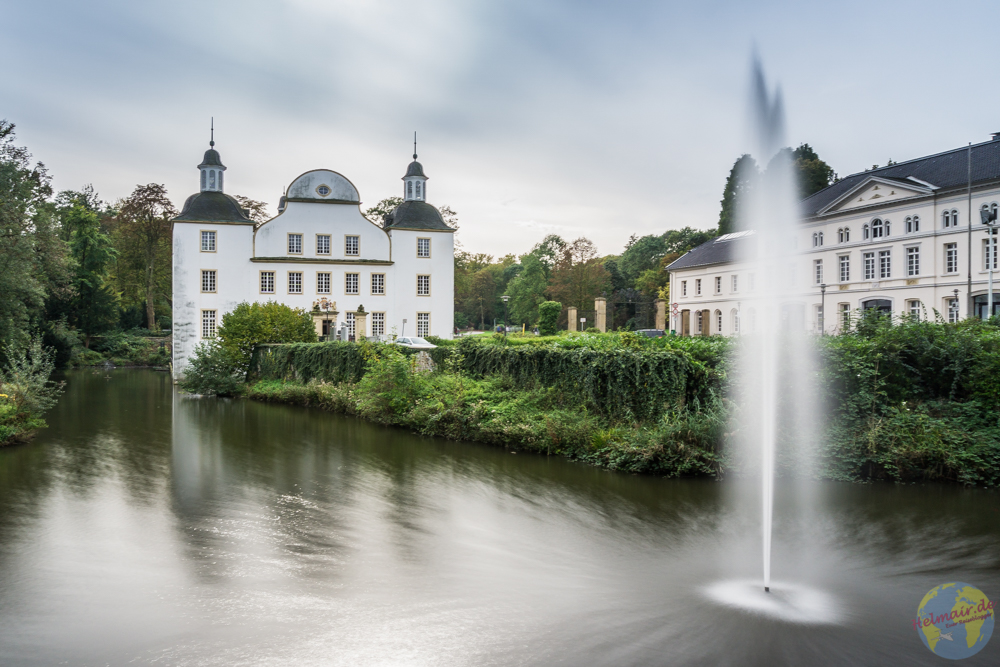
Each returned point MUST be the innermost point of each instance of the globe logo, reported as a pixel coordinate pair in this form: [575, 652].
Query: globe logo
[955, 620]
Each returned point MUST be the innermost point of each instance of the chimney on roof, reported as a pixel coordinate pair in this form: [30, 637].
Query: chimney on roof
[996, 136]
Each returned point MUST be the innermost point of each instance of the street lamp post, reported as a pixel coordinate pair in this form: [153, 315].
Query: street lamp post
[989, 218]
[505, 300]
[955, 292]
[822, 309]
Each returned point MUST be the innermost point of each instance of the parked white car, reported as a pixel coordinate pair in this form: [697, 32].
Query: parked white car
[415, 343]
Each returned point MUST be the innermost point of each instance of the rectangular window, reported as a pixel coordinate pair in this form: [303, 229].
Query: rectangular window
[378, 283]
[951, 258]
[752, 280]
[697, 287]
[208, 324]
[322, 283]
[295, 282]
[734, 284]
[208, 241]
[378, 324]
[845, 269]
[208, 281]
[718, 284]
[986, 255]
[818, 271]
[423, 285]
[423, 324]
[295, 244]
[267, 282]
[351, 283]
[350, 324]
[914, 307]
[845, 315]
[869, 262]
[322, 244]
[684, 288]
[352, 245]
[913, 261]
[423, 247]
[884, 264]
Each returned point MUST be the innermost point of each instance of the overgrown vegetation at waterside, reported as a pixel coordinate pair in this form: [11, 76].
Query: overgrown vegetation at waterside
[908, 401]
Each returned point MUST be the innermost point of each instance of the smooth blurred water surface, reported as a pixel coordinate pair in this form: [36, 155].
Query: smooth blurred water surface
[145, 527]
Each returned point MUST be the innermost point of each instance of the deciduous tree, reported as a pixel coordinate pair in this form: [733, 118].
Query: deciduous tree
[143, 239]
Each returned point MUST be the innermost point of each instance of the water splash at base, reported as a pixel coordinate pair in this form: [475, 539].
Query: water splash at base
[791, 603]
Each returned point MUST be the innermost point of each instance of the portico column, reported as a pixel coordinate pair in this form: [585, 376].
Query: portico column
[601, 306]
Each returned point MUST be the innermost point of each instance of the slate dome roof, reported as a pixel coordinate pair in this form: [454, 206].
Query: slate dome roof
[415, 215]
[415, 169]
[212, 207]
[211, 159]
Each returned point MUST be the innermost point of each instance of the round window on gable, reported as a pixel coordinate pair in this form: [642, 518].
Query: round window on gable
[323, 190]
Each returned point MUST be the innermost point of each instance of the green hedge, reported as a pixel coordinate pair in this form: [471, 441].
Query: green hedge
[623, 384]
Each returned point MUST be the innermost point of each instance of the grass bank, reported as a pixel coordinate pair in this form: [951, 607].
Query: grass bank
[906, 401]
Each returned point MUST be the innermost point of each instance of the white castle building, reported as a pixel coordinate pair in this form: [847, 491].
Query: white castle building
[904, 239]
[373, 280]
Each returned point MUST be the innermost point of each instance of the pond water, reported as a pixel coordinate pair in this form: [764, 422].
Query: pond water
[145, 527]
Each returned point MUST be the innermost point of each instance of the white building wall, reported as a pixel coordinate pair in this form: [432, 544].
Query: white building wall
[440, 266]
[933, 287]
[231, 261]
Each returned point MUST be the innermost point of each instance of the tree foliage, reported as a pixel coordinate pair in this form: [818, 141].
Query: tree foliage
[742, 178]
[34, 263]
[548, 317]
[95, 304]
[142, 232]
[256, 210]
[250, 324]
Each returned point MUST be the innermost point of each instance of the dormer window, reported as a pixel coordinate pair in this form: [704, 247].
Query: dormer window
[323, 190]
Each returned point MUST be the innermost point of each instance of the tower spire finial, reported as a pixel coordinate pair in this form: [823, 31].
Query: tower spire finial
[212, 140]
[414, 144]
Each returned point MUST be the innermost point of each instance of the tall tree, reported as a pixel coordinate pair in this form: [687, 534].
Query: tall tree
[742, 178]
[579, 275]
[95, 305]
[33, 257]
[143, 238]
[814, 174]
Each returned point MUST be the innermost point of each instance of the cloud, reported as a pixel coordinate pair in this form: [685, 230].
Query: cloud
[591, 118]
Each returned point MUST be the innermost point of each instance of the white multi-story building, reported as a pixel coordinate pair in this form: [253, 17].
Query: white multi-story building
[904, 239]
[400, 278]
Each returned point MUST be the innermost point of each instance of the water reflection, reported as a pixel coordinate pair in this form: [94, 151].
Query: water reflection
[146, 526]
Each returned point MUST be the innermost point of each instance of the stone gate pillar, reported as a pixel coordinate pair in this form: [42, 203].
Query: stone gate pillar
[601, 306]
[360, 326]
[573, 319]
[661, 314]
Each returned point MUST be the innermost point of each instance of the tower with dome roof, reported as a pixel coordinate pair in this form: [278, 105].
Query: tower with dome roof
[319, 253]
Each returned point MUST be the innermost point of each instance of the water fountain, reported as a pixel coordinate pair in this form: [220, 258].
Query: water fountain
[776, 402]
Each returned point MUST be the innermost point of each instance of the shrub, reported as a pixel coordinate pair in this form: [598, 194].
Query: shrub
[592, 330]
[213, 371]
[25, 389]
[250, 324]
[548, 317]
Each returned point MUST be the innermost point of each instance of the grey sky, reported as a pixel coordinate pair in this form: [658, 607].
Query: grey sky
[580, 118]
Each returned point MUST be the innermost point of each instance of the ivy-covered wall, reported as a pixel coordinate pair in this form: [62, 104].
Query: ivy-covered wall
[630, 384]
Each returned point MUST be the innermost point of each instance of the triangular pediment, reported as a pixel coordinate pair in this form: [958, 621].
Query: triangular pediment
[875, 190]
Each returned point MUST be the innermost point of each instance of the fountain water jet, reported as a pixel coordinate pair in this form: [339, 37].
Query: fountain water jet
[773, 377]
